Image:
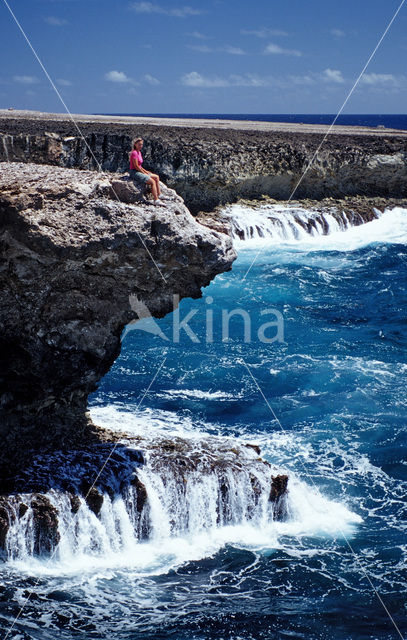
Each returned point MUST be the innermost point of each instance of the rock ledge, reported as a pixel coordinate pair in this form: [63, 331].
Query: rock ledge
[72, 256]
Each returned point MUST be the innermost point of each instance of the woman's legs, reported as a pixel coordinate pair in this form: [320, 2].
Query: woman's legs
[156, 179]
[153, 186]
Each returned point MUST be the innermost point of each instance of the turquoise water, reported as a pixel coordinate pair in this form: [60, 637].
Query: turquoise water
[325, 400]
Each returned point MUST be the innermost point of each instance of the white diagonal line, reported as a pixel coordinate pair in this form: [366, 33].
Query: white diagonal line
[311, 162]
[76, 125]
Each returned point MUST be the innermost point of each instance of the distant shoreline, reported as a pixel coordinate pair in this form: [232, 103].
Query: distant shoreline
[200, 123]
[396, 121]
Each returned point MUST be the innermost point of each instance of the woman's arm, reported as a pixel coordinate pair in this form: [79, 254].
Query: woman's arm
[138, 167]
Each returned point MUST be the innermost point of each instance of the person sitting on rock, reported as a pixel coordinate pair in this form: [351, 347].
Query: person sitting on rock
[141, 175]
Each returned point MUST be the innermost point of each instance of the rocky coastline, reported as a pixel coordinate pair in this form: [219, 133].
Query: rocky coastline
[79, 250]
[82, 248]
[210, 163]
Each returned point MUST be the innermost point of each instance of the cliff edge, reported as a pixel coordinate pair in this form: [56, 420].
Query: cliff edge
[76, 248]
[218, 162]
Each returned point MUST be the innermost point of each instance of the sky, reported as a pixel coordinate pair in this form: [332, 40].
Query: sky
[196, 56]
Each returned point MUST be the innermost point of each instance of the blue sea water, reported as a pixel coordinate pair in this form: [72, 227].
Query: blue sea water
[326, 401]
[389, 120]
[336, 384]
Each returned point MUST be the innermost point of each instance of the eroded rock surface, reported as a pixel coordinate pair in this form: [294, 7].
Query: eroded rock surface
[76, 248]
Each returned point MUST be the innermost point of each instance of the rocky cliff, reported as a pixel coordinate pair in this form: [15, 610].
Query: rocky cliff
[220, 162]
[76, 248]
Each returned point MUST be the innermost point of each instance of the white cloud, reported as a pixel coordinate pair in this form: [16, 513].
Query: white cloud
[337, 33]
[234, 51]
[197, 35]
[302, 80]
[333, 75]
[203, 48]
[195, 79]
[179, 12]
[25, 79]
[64, 83]
[251, 80]
[380, 78]
[263, 32]
[117, 76]
[276, 49]
[311, 79]
[55, 22]
[328, 76]
[151, 80]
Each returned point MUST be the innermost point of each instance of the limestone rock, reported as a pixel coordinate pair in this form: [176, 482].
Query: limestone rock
[212, 165]
[76, 248]
[45, 521]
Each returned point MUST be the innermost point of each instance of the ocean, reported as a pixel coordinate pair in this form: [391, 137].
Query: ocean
[300, 349]
[391, 121]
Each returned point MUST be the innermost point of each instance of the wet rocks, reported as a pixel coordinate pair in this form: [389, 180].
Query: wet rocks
[278, 487]
[45, 522]
[141, 493]
[198, 484]
[278, 494]
[75, 503]
[94, 500]
[4, 521]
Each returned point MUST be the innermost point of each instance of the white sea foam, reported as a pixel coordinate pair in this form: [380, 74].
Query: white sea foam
[185, 525]
[144, 422]
[109, 543]
[199, 394]
[273, 225]
[310, 513]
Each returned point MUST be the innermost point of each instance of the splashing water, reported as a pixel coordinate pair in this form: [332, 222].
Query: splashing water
[337, 385]
[275, 225]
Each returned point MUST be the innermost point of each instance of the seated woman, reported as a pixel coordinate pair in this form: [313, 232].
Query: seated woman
[140, 175]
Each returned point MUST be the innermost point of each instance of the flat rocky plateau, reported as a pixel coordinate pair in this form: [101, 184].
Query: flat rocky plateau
[32, 118]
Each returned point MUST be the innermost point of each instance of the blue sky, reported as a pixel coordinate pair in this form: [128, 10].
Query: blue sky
[218, 56]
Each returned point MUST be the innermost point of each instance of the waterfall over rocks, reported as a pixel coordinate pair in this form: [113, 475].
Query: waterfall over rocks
[109, 498]
[288, 223]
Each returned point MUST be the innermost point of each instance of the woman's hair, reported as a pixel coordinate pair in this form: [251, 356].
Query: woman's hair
[133, 144]
[136, 140]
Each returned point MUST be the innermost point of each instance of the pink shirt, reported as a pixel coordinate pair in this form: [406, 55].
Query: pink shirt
[135, 155]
